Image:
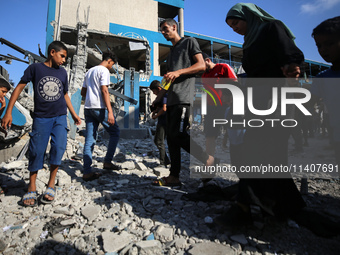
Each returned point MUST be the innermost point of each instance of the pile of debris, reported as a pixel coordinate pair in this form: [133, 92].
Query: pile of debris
[122, 213]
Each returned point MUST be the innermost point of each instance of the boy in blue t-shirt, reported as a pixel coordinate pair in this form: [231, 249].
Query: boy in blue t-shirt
[51, 101]
[326, 86]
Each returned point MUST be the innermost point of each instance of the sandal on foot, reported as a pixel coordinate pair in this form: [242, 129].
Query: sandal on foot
[164, 181]
[49, 192]
[30, 195]
[93, 176]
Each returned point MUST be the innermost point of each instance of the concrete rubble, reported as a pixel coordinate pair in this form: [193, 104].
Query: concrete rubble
[122, 213]
[25, 104]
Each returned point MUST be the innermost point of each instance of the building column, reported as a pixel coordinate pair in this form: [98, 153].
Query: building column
[181, 22]
[229, 50]
[77, 73]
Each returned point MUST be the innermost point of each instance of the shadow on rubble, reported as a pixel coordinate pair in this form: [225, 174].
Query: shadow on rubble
[11, 183]
[193, 216]
[52, 247]
[190, 215]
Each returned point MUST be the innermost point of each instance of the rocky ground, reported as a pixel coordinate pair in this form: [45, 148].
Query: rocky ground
[121, 213]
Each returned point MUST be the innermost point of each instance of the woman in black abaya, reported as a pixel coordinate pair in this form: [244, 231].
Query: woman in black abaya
[269, 52]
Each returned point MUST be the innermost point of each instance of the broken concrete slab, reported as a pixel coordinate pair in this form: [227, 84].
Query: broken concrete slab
[161, 171]
[90, 212]
[13, 149]
[114, 242]
[141, 166]
[129, 165]
[181, 243]
[164, 234]
[211, 248]
[105, 224]
[149, 247]
[18, 164]
[63, 178]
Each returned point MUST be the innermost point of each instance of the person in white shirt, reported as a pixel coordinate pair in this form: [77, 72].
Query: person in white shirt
[97, 109]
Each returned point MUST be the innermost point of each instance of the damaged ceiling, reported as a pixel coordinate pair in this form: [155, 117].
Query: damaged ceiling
[104, 41]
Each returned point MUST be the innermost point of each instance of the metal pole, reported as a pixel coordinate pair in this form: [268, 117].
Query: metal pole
[59, 17]
[181, 22]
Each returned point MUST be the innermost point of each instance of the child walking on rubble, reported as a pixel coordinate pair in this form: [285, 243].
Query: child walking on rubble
[51, 101]
[159, 113]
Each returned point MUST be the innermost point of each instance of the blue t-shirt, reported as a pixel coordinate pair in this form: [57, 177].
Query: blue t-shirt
[162, 118]
[327, 86]
[50, 86]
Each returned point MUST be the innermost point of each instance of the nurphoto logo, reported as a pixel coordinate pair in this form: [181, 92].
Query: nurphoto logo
[279, 100]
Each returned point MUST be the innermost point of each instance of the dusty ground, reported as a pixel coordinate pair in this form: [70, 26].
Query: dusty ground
[141, 209]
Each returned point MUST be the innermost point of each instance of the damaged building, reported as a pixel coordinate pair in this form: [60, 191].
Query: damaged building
[130, 29]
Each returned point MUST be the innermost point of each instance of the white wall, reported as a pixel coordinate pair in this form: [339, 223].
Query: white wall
[135, 13]
[156, 66]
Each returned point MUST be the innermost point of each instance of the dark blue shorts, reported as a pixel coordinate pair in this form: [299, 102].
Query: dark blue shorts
[42, 130]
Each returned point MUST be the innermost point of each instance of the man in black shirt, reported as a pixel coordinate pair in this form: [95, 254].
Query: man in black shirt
[184, 61]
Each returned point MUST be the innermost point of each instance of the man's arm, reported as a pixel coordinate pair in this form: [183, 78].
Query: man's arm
[83, 92]
[106, 97]
[199, 66]
[7, 119]
[3, 105]
[75, 117]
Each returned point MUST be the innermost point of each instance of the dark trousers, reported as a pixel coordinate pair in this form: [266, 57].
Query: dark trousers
[265, 146]
[159, 141]
[178, 139]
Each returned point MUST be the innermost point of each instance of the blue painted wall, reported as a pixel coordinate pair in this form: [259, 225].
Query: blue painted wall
[176, 3]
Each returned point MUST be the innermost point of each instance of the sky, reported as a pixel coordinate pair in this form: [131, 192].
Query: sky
[23, 22]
